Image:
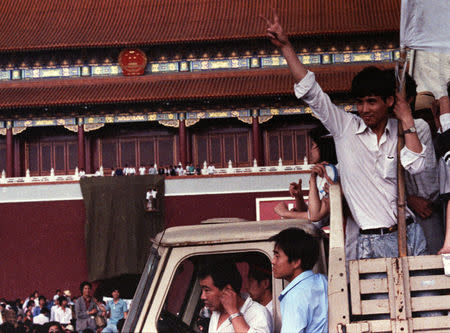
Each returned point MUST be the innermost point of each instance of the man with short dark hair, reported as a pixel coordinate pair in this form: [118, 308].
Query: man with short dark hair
[366, 147]
[42, 317]
[304, 302]
[221, 284]
[260, 284]
[117, 309]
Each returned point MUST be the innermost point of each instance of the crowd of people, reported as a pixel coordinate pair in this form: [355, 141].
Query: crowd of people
[171, 170]
[64, 313]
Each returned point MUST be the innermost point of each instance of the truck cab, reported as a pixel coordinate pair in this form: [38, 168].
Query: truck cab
[167, 298]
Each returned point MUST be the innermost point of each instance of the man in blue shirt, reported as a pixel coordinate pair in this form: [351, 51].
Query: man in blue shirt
[304, 302]
[117, 309]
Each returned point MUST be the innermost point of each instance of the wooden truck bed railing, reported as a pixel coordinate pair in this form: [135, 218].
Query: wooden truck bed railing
[402, 287]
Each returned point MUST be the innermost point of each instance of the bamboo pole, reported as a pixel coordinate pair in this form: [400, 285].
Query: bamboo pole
[401, 197]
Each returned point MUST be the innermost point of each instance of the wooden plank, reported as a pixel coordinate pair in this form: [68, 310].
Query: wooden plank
[407, 289]
[391, 288]
[378, 326]
[426, 324]
[429, 282]
[372, 265]
[336, 218]
[357, 327]
[375, 306]
[338, 307]
[373, 286]
[430, 303]
[355, 292]
[425, 262]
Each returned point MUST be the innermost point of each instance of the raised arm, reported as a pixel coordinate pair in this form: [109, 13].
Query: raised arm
[317, 208]
[403, 113]
[295, 190]
[279, 39]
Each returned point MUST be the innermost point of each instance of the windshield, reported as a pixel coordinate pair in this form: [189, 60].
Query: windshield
[142, 290]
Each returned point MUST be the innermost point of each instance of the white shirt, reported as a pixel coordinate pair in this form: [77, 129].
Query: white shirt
[368, 167]
[40, 319]
[52, 312]
[63, 316]
[211, 169]
[255, 315]
[424, 184]
[142, 171]
[269, 307]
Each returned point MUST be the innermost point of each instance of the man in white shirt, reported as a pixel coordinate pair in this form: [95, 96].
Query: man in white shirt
[366, 149]
[260, 284]
[221, 283]
[211, 169]
[142, 170]
[63, 314]
[42, 317]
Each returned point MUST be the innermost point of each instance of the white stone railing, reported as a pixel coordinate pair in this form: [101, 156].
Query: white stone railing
[220, 171]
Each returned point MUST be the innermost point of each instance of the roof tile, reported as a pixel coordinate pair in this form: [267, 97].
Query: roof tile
[168, 87]
[29, 25]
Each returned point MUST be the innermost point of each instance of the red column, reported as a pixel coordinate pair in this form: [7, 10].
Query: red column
[183, 139]
[257, 151]
[81, 153]
[9, 151]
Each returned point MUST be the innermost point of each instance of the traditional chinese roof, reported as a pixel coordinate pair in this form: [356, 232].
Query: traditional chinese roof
[54, 24]
[168, 87]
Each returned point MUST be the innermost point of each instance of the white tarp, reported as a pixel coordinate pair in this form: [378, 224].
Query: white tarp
[425, 25]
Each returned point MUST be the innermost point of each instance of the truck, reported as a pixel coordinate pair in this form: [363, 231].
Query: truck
[167, 298]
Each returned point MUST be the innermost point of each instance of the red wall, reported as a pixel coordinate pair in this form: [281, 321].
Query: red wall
[192, 209]
[42, 243]
[42, 247]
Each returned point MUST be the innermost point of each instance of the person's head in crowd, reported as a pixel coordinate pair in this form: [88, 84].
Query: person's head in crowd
[45, 311]
[58, 293]
[294, 251]
[42, 301]
[85, 289]
[260, 281]
[322, 146]
[30, 305]
[374, 91]
[115, 293]
[69, 328]
[62, 301]
[19, 302]
[20, 318]
[214, 277]
[54, 327]
[29, 314]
